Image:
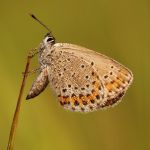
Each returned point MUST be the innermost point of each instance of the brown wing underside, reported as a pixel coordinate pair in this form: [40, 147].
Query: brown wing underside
[80, 68]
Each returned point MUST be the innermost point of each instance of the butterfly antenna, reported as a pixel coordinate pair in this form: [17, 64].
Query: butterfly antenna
[33, 16]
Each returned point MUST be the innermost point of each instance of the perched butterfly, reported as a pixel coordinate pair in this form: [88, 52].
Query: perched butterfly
[83, 79]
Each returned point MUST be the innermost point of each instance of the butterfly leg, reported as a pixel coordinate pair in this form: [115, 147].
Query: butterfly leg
[32, 71]
[33, 52]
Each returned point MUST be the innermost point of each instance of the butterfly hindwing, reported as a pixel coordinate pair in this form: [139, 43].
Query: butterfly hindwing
[85, 80]
[75, 81]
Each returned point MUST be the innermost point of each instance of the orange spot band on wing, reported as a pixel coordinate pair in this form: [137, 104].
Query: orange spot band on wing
[81, 100]
[118, 81]
[109, 86]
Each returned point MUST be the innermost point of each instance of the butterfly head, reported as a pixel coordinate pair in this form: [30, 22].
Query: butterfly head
[48, 40]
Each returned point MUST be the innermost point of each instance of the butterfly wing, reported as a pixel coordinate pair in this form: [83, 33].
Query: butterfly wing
[85, 80]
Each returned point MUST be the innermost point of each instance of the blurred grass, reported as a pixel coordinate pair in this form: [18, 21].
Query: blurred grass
[119, 29]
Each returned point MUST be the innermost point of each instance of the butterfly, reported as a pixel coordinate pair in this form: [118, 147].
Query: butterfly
[83, 80]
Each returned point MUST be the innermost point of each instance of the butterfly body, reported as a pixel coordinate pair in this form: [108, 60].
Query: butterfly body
[83, 79]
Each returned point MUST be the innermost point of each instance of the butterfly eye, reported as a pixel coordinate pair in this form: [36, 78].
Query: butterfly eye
[50, 39]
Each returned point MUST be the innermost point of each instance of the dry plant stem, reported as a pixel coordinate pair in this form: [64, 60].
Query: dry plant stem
[16, 114]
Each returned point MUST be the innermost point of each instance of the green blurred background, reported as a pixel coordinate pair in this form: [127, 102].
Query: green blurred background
[117, 28]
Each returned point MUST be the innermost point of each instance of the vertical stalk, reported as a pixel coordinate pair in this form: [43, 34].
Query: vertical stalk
[18, 106]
